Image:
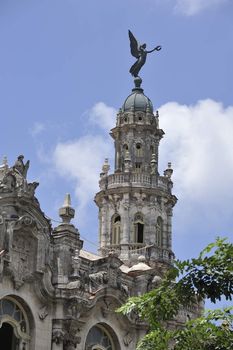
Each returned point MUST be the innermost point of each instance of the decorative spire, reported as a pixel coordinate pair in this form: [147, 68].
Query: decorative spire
[4, 162]
[157, 118]
[67, 201]
[66, 212]
[168, 172]
[106, 166]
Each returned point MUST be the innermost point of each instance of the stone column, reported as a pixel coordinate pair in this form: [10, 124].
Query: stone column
[104, 233]
[117, 156]
[100, 226]
[125, 227]
[169, 228]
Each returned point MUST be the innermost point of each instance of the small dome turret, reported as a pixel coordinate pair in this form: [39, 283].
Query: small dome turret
[137, 101]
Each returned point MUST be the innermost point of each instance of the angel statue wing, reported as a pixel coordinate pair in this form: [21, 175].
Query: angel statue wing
[134, 45]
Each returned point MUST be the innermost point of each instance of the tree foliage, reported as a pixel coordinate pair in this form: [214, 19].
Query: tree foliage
[209, 276]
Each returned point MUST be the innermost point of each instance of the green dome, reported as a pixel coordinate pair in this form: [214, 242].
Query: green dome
[137, 101]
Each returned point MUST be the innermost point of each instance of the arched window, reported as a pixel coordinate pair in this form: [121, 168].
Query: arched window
[140, 117]
[139, 152]
[159, 232]
[14, 325]
[138, 228]
[152, 150]
[99, 338]
[125, 148]
[116, 229]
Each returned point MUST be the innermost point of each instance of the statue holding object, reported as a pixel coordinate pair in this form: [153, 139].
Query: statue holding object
[20, 167]
[140, 52]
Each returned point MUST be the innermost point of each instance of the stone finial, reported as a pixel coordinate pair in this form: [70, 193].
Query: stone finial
[66, 212]
[137, 82]
[4, 162]
[105, 167]
[157, 119]
[141, 259]
[153, 164]
[168, 172]
[67, 201]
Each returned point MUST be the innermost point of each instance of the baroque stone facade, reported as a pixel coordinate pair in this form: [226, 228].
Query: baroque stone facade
[55, 295]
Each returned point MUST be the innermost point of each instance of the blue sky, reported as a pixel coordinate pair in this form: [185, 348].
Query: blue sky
[64, 74]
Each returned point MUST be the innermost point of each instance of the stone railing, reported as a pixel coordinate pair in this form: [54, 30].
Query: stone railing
[135, 179]
[152, 252]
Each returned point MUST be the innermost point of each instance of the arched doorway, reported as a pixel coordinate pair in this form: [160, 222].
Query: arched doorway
[8, 338]
[14, 325]
[101, 337]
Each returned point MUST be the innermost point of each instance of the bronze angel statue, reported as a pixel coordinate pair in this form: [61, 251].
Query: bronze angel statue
[140, 52]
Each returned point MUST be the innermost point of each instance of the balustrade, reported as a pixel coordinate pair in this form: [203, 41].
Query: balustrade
[137, 179]
[141, 249]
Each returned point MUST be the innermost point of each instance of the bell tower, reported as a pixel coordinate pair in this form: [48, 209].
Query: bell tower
[136, 203]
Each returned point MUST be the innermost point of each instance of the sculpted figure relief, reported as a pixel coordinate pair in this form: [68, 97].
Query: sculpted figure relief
[97, 279]
[140, 52]
[8, 183]
[21, 167]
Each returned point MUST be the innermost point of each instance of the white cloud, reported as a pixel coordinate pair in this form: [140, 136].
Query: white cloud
[199, 142]
[103, 116]
[81, 160]
[37, 128]
[193, 7]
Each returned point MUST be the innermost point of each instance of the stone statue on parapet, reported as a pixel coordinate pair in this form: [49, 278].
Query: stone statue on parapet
[140, 52]
[20, 167]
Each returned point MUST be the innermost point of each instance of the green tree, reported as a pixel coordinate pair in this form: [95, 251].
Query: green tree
[209, 276]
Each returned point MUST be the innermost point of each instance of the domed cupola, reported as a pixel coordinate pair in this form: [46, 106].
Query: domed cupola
[137, 101]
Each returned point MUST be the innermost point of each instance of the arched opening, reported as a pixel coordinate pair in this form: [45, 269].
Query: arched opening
[152, 150]
[8, 338]
[14, 325]
[101, 337]
[138, 166]
[140, 117]
[139, 152]
[125, 151]
[159, 232]
[116, 229]
[138, 228]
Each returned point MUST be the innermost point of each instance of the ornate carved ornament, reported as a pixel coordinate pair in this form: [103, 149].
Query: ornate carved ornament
[114, 200]
[43, 312]
[127, 339]
[97, 280]
[74, 308]
[71, 336]
[58, 336]
[25, 253]
[139, 199]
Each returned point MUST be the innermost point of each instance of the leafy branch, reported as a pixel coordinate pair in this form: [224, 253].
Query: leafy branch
[209, 276]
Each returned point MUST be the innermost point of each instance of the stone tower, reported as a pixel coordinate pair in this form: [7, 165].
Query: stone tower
[135, 203]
